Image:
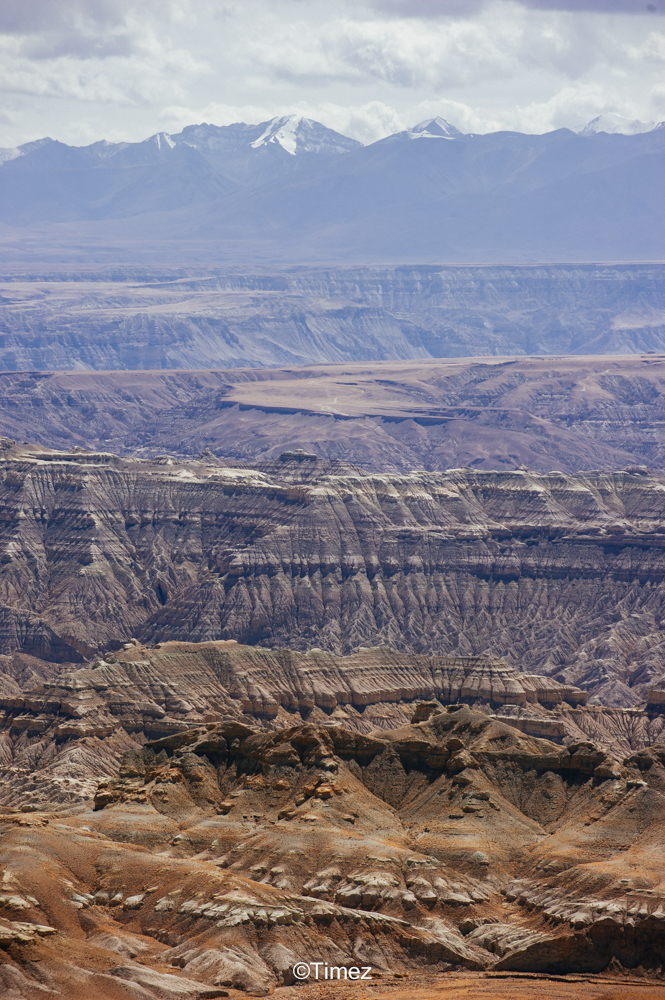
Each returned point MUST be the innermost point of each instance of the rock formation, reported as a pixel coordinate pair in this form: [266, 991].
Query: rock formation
[147, 317]
[60, 737]
[561, 576]
[221, 856]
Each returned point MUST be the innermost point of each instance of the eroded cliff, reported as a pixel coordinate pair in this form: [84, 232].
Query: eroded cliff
[560, 575]
[220, 857]
[58, 738]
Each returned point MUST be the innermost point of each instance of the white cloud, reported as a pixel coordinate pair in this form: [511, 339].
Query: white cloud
[409, 53]
[131, 63]
[95, 68]
[506, 41]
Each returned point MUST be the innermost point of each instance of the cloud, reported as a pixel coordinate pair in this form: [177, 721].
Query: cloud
[363, 67]
[599, 6]
[419, 53]
[406, 53]
[38, 17]
[93, 50]
[465, 8]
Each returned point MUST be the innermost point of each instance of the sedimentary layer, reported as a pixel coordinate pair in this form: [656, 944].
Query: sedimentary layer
[220, 857]
[560, 575]
[124, 317]
[58, 738]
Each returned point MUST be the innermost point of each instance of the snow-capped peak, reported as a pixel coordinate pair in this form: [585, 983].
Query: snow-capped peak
[281, 131]
[614, 124]
[28, 147]
[434, 128]
[297, 134]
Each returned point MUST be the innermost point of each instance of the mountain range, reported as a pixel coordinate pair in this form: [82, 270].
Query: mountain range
[292, 189]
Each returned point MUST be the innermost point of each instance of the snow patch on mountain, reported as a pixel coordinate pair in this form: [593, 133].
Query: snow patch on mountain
[282, 132]
[297, 134]
[292, 133]
[434, 128]
[615, 125]
[163, 137]
[431, 128]
[12, 154]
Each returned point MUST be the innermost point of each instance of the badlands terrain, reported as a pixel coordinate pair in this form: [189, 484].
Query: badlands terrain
[194, 820]
[255, 714]
[561, 575]
[332, 596]
[275, 688]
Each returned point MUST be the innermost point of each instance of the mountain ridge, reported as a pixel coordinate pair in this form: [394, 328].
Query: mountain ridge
[292, 190]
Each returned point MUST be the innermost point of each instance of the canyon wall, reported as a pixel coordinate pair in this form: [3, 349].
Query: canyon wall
[129, 318]
[560, 575]
[570, 413]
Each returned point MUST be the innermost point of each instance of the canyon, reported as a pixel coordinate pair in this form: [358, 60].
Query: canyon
[260, 713]
[356, 663]
[332, 565]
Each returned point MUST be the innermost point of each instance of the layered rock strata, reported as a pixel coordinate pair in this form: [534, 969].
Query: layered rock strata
[58, 738]
[219, 857]
[560, 575]
[206, 318]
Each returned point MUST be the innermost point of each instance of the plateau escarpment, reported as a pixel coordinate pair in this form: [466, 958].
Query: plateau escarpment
[560, 575]
[174, 317]
[567, 413]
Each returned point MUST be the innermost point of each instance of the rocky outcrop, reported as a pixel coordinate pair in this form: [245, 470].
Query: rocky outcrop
[58, 738]
[225, 854]
[561, 576]
[173, 680]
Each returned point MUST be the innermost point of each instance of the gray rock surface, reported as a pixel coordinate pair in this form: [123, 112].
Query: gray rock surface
[560, 575]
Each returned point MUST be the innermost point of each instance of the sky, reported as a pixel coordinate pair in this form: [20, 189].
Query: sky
[84, 70]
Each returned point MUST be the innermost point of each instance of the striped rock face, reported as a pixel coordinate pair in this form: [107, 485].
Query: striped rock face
[561, 576]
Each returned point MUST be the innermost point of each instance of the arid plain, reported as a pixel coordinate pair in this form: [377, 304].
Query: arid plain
[566, 413]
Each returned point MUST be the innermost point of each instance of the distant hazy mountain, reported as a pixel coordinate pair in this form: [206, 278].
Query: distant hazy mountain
[252, 154]
[614, 124]
[432, 128]
[292, 189]
[293, 133]
[49, 181]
